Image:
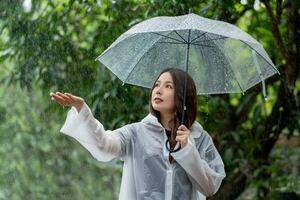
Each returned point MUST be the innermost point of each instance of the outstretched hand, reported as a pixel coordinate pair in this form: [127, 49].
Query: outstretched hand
[182, 135]
[67, 99]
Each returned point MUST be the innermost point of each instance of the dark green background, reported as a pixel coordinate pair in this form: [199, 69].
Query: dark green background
[52, 47]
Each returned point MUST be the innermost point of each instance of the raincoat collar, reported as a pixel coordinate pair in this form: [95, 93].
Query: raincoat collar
[196, 128]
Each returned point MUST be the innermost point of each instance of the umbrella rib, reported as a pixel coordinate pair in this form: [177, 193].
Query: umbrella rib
[180, 36]
[167, 36]
[201, 45]
[198, 37]
[235, 76]
[230, 68]
[211, 39]
[110, 47]
[204, 63]
[173, 42]
[142, 57]
[262, 57]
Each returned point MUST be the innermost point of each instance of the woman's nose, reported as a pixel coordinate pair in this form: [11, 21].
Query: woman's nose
[158, 92]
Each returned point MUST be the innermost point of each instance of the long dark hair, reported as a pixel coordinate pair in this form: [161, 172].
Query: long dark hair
[178, 77]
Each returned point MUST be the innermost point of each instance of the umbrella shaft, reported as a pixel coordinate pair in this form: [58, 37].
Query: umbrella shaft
[185, 80]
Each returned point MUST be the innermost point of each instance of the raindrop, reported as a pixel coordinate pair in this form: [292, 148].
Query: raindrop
[99, 3]
[256, 5]
[27, 5]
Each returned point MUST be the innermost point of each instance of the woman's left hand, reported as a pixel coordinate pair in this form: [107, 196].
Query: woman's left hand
[182, 135]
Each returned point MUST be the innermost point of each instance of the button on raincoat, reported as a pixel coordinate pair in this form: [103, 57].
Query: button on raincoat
[147, 172]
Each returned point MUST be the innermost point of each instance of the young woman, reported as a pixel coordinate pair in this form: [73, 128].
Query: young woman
[150, 171]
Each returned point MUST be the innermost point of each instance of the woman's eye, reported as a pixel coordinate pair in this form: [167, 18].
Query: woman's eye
[169, 86]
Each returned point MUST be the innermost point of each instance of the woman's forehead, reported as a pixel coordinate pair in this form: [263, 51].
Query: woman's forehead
[165, 77]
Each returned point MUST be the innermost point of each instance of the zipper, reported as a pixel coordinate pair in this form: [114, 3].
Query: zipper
[169, 184]
[169, 174]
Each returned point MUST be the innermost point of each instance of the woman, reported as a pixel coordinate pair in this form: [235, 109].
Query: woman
[150, 171]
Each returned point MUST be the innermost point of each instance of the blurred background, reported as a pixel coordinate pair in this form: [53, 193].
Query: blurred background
[51, 45]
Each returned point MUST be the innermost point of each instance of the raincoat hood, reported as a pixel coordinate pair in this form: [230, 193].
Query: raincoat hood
[196, 128]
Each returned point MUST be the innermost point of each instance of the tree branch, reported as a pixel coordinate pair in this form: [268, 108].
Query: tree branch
[282, 112]
[278, 10]
[274, 26]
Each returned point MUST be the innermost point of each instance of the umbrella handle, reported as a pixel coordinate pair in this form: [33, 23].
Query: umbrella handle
[174, 150]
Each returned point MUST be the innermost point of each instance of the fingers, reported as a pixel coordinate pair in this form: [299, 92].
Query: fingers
[183, 130]
[71, 96]
[182, 127]
[75, 99]
[64, 96]
[182, 140]
[182, 135]
[61, 98]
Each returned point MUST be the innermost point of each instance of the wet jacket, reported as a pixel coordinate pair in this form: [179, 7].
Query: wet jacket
[147, 172]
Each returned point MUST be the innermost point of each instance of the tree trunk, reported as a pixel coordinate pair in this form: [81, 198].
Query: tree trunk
[282, 112]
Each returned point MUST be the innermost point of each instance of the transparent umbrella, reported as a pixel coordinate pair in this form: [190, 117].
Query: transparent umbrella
[220, 57]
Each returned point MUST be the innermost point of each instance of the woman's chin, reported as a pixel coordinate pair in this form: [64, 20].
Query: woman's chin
[156, 108]
[160, 109]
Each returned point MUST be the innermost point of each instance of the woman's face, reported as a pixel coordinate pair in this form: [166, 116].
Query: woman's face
[163, 94]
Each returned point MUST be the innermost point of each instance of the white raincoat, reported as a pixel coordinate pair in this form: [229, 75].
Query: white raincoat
[147, 172]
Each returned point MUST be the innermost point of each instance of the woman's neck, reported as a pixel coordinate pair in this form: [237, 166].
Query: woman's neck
[165, 120]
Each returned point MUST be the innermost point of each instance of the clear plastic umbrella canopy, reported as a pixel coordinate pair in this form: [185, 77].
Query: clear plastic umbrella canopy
[220, 57]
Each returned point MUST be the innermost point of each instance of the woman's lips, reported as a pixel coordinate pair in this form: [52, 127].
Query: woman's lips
[157, 99]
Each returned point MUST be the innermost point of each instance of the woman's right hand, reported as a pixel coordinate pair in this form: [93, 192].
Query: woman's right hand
[67, 99]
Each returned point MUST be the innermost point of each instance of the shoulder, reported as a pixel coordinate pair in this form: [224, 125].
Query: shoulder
[131, 128]
[197, 130]
[200, 135]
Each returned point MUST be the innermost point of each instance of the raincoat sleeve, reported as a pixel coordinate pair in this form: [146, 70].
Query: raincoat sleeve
[89, 132]
[202, 163]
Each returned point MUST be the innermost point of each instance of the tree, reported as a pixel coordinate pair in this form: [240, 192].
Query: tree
[54, 46]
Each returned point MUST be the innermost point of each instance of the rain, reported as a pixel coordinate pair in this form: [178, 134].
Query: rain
[243, 57]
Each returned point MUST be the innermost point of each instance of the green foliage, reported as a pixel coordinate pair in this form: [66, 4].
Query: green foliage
[53, 48]
[38, 162]
[283, 170]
